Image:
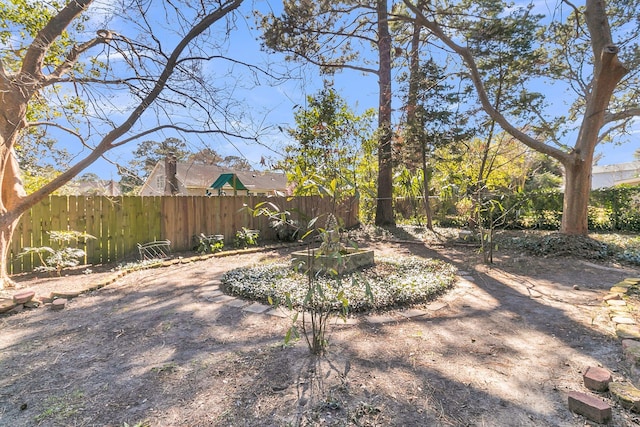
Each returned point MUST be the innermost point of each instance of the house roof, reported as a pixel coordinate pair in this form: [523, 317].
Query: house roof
[198, 175]
[92, 188]
[619, 167]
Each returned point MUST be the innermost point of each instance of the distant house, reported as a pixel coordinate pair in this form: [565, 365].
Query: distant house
[195, 179]
[91, 188]
[612, 175]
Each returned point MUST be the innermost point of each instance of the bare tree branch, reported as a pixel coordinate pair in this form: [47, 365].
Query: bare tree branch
[34, 57]
[70, 61]
[183, 130]
[621, 115]
[59, 126]
[108, 142]
[613, 129]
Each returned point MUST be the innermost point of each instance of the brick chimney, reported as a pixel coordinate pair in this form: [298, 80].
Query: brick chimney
[171, 180]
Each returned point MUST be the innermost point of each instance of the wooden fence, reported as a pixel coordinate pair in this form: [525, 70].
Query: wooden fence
[119, 223]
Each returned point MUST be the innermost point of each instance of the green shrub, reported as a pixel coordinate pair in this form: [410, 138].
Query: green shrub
[208, 244]
[245, 238]
[57, 259]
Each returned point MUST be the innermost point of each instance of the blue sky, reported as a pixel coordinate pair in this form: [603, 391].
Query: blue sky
[273, 108]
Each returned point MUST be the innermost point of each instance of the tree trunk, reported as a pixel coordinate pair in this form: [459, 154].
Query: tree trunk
[384, 204]
[6, 234]
[11, 189]
[426, 175]
[12, 193]
[576, 198]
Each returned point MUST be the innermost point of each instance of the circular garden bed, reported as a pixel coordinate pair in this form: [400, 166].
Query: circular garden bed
[389, 283]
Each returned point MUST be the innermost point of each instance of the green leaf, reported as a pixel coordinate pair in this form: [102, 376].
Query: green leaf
[287, 300]
[292, 333]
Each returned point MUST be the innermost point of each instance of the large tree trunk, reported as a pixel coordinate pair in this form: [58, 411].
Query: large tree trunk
[384, 204]
[576, 198]
[12, 193]
[6, 234]
[578, 164]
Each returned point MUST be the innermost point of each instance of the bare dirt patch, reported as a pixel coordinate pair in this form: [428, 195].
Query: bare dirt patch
[504, 347]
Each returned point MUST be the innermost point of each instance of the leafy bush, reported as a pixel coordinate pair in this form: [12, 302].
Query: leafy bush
[208, 244]
[610, 209]
[62, 257]
[245, 238]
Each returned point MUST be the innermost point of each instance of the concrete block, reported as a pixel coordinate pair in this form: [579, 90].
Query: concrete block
[211, 295]
[619, 289]
[222, 299]
[609, 297]
[58, 304]
[67, 294]
[379, 319]
[256, 308]
[590, 406]
[237, 303]
[596, 378]
[23, 296]
[624, 320]
[17, 309]
[6, 305]
[412, 312]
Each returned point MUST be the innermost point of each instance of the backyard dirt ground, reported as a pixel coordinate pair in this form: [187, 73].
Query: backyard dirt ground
[503, 347]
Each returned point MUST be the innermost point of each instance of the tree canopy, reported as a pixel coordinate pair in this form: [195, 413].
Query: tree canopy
[328, 145]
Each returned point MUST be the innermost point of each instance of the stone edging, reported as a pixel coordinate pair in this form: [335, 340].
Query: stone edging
[628, 331]
[599, 379]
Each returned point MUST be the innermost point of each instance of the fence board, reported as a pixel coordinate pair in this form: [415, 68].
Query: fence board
[168, 217]
[115, 229]
[92, 222]
[227, 221]
[181, 224]
[125, 245]
[59, 215]
[153, 218]
[105, 213]
[22, 239]
[140, 220]
[216, 213]
[80, 224]
[74, 217]
[41, 222]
